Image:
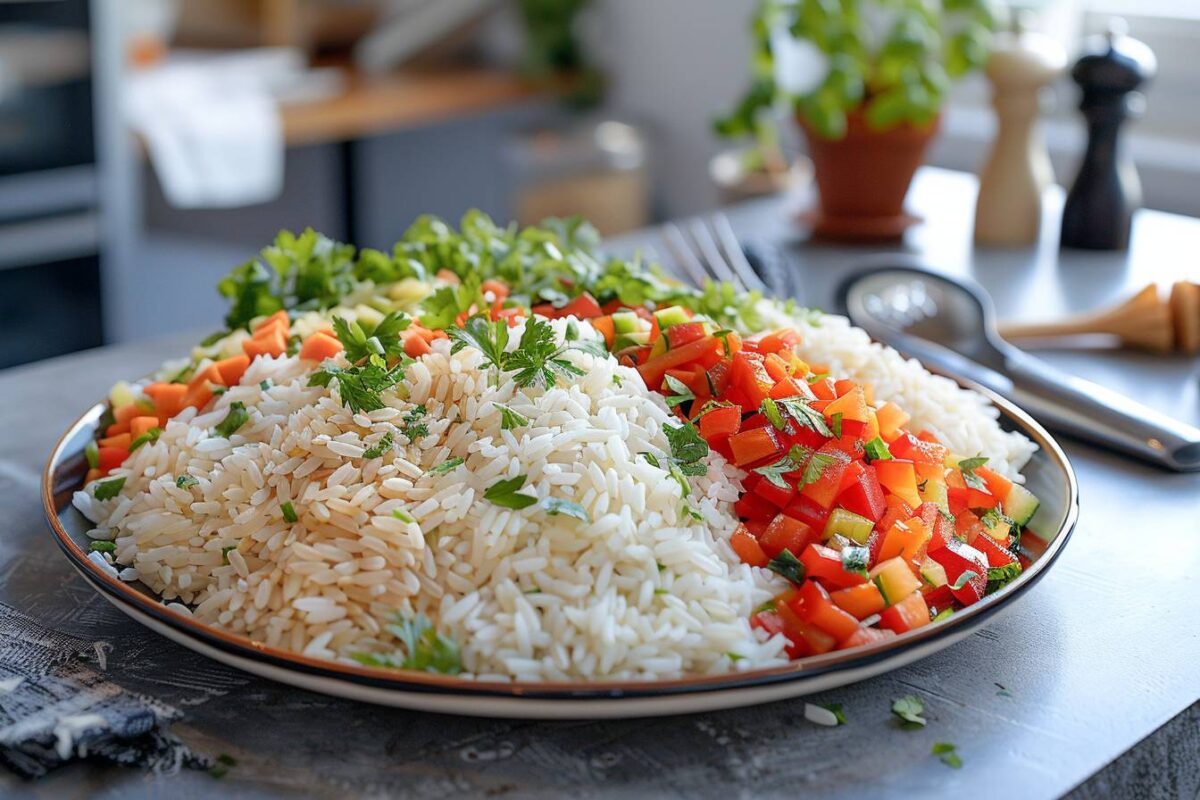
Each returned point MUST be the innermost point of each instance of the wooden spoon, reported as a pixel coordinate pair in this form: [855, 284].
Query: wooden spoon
[1143, 321]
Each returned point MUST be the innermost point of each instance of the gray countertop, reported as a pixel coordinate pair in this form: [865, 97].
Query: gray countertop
[1098, 656]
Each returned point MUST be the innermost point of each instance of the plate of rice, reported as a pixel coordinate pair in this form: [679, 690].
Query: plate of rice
[492, 472]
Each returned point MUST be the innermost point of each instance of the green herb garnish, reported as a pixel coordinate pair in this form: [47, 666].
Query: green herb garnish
[801, 410]
[236, 418]
[968, 467]
[422, 648]
[403, 515]
[91, 452]
[380, 447]
[909, 709]
[264, 385]
[999, 577]
[877, 450]
[505, 493]
[770, 410]
[107, 490]
[510, 419]
[787, 565]
[555, 505]
[947, 754]
[185, 481]
[360, 388]
[856, 559]
[966, 577]
[412, 426]
[680, 393]
[149, 436]
[289, 512]
[835, 424]
[446, 466]
[103, 547]
[225, 551]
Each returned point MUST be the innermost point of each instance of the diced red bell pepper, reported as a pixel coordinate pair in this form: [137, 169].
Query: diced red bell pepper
[807, 510]
[110, 457]
[750, 378]
[747, 547]
[939, 525]
[863, 496]
[754, 446]
[895, 511]
[718, 378]
[785, 533]
[958, 558]
[685, 333]
[911, 448]
[824, 489]
[823, 389]
[584, 307]
[968, 527]
[776, 367]
[852, 406]
[864, 636]
[909, 614]
[787, 387]
[752, 507]
[776, 495]
[997, 555]
[998, 485]
[772, 622]
[782, 339]
[720, 423]
[812, 605]
[861, 601]
[810, 639]
[825, 564]
[891, 419]
[909, 540]
[959, 495]
[938, 599]
[654, 369]
[899, 477]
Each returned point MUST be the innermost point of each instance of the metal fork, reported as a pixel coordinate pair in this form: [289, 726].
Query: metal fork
[704, 248]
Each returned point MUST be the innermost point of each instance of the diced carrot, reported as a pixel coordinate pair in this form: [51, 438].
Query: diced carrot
[274, 319]
[209, 374]
[127, 412]
[606, 328]
[272, 344]
[116, 429]
[92, 474]
[121, 441]
[747, 547]
[499, 290]
[415, 345]
[168, 400]
[320, 346]
[231, 369]
[862, 600]
[198, 396]
[138, 426]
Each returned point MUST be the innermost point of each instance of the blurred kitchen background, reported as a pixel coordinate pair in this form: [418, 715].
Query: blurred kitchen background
[146, 146]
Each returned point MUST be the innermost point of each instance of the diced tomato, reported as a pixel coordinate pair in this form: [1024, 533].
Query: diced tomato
[968, 527]
[812, 605]
[824, 489]
[720, 423]
[772, 622]
[909, 447]
[863, 496]
[896, 510]
[908, 614]
[750, 377]
[752, 507]
[810, 639]
[785, 533]
[807, 510]
[862, 600]
[783, 339]
[747, 547]
[779, 497]
[776, 367]
[754, 446]
[607, 329]
[997, 555]
[959, 495]
[111, 457]
[865, 636]
[899, 477]
[584, 307]
[788, 387]
[685, 333]
[958, 558]
[851, 405]
[939, 599]
[825, 564]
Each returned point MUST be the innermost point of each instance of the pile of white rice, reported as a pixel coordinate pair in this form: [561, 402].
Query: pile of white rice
[642, 590]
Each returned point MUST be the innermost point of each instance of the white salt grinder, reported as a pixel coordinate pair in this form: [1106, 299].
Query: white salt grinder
[1009, 209]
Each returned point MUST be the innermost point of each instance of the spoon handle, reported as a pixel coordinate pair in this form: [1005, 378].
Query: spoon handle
[1090, 411]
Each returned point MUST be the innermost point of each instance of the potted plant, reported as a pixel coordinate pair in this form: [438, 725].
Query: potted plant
[866, 80]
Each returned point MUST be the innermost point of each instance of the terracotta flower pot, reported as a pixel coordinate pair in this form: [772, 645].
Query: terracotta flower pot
[863, 178]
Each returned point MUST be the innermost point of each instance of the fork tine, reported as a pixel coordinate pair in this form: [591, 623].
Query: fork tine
[710, 253]
[678, 245]
[734, 253]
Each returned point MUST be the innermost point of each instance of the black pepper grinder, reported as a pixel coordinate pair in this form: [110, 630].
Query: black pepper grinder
[1099, 209]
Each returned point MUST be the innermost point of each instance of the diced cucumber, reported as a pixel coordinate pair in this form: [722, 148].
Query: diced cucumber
[933, 573]
[997, 526]
[1020, 505]
[366, 316]
[935, 492]
[672, 315]
[846, 523]
[628, 322]
[633, 339]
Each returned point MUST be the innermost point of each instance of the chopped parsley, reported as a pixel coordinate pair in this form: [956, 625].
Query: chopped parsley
[999, 577]
[149, 436]
[103, 547]
[236, 418]
[289, 512]
[538, 359]
[413, 426]
[856, 559]
[361, 388]
[798, 457]
[787, 565]
[774, 472]
[185, 481]
[835, 424]
[770, 410]
[556, 505]
[877, 450]
[264, 385]
[382, 340]
[403, 516]
[680, 393]
[225, 551]
[449, 465]
[107, 490]
[947, 754]
[422, 648]
[801, 410]
[379, 448]
[505, 493]
[909, 710]
[968, 467]
[966, 577]
[510, 419]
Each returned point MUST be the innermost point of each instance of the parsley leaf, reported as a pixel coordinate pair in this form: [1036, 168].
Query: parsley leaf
[537, 360]
[412, 426]
[423, 648]
[510, 419]
[856, 559]
[947, 754]
[107, 490]
[556, 505]
[236, 418]
[770, 410]
[968, 467]
[909, 710]
[815, 467]
[801, 410]
[441, 309]
[999, 577]
[688, 448]
[149, 436]
[489, 338]
[505, 493]
[360, 387]
[449, 465]
[383, 340]
[877, 450]
[680, 393]
[185, 481]
[380, 447]
[403, 515]
[787, 565]
[774, 472]
[288, 511]
[103, 547]
[835, 424]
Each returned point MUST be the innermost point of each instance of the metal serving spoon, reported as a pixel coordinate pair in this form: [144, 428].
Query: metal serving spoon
[951, 324]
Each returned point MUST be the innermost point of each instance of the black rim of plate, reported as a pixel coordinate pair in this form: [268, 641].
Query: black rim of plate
[63, 476]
